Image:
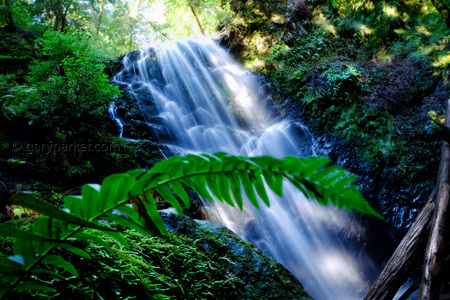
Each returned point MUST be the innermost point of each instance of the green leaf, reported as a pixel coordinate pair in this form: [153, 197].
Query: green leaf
[127, 223]
[9, 230]
[60, 262]
[118, 237]
[278, 183]
[134, 173]
[73, 204]
[211, 181]
[90, 201]
[26, 248]
[126, 185]
[145, 205]
[75, 250]
[248, 188]
[34, 287]
[322, 175]
[49, 273]
[260, 188]
[236, 189]
[224, 187]
[147, 181]
[95, 239]
[10, 267]
[108, 191]
[177, 187]
[298, 184]
[32, 202]
[221, 173]
[198, 184]
[128, 211]
[154, 214]
[164, 192]
[313, 164]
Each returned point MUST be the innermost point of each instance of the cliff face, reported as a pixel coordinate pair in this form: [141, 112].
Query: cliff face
[363, 85]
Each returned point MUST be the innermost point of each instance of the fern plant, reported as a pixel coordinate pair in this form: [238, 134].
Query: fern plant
[214, 177]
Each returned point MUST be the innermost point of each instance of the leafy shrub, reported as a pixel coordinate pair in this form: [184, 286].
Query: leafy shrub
[343, 81]
[69, 79]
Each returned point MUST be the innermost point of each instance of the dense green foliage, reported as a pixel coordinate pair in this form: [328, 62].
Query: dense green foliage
[60, 228]
[67, 82]
[197, 263]
[363, 75]
[118, 27]
[61, 101]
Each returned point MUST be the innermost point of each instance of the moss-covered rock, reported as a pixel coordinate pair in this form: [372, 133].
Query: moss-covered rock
[261, 277]
[198, 260]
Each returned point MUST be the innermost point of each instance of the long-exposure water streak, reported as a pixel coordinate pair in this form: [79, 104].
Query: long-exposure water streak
[208, 103]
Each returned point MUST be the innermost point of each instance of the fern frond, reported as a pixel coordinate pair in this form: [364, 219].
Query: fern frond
[216, 176]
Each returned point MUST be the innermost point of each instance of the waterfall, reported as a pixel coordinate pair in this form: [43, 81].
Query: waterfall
[208, 103]
[113, 113]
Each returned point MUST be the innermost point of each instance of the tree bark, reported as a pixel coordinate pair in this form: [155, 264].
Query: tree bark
[96, 22]
[100, 15]
[407, 255]
[64, 19]
[435, 253]
[196, 18]
[130, 46]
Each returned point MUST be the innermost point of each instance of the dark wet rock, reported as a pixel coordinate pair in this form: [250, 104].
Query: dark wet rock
[113, 66]
[134, 56]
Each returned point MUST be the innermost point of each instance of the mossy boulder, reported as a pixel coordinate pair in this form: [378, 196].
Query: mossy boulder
[260, 276]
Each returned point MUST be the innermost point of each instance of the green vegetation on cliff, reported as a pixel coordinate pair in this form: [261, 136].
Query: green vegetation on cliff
[364, 74]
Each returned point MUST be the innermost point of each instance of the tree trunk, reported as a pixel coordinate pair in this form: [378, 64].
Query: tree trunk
[435, 253]
[131, 39]
[407, 255]
[196, 18]
[96, 22]
[55, 25]
[64, 20]
[100, 15]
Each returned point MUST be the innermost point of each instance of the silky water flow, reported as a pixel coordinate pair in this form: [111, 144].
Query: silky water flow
[205, 103]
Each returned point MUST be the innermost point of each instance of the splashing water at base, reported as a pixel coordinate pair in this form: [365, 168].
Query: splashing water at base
[210, 104]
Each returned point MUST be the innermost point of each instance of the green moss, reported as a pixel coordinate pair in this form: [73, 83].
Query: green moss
[153, 268]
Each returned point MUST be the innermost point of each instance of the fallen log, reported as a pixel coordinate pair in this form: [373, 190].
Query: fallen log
[435, 253]
[406, 257]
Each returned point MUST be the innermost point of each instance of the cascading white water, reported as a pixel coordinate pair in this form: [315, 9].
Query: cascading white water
[113, 114]
[210, 104]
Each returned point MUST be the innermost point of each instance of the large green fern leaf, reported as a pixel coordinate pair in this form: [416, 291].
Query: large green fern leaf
[214, 177]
